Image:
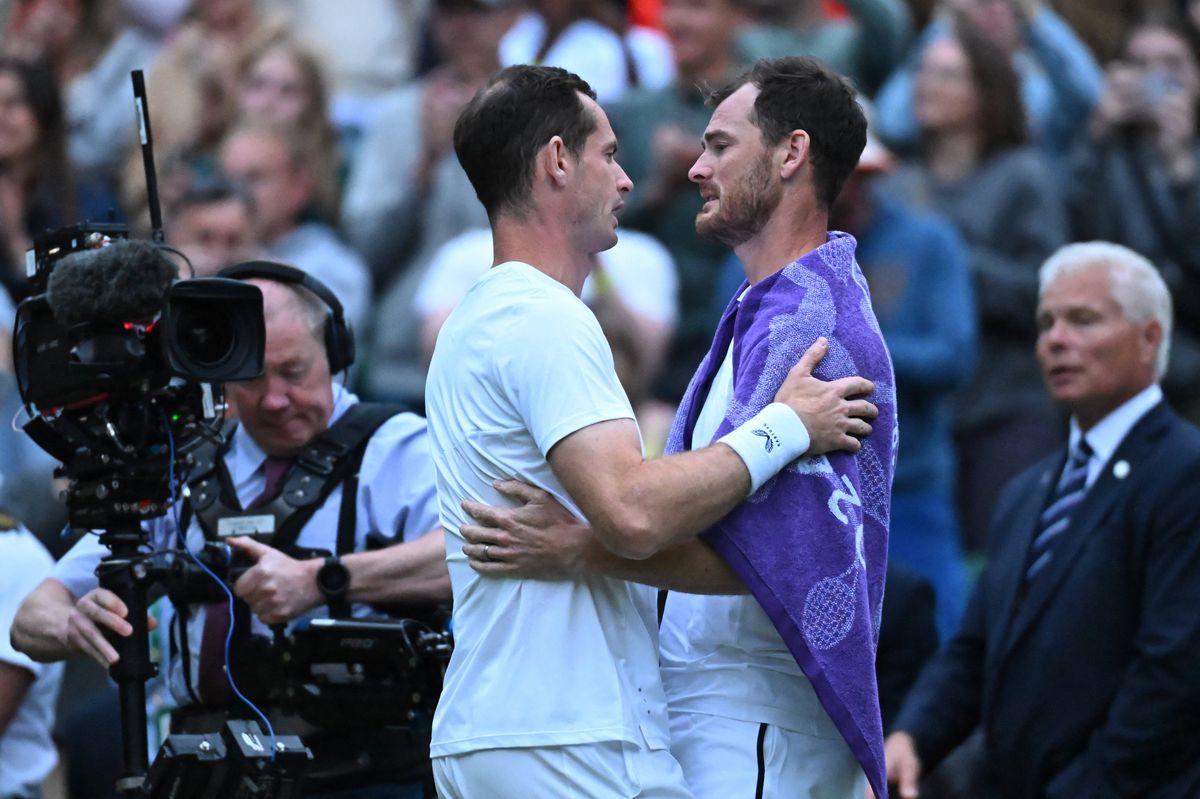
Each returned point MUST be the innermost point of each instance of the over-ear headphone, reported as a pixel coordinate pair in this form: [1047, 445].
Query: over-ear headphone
[339, 338]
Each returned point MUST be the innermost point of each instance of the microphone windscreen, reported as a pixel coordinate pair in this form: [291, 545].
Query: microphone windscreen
[122, 282]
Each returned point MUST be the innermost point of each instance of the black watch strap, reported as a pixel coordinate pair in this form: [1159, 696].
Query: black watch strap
[333, 581]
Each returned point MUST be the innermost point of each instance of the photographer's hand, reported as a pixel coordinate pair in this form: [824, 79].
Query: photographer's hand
[277, 588]
[95, 609]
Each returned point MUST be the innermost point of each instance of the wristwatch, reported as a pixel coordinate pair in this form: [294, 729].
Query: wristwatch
[333, 581]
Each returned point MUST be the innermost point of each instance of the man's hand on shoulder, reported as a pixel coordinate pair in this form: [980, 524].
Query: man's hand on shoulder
[833, 412]
[538, 539]
[278, 588]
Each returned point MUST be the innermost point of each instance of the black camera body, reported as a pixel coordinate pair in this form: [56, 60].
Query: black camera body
[119, 366]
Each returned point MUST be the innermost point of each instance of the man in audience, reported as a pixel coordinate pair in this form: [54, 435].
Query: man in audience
[1079, 651]
[272, 167]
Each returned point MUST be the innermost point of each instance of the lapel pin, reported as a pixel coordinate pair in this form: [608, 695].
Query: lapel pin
[1121, 469]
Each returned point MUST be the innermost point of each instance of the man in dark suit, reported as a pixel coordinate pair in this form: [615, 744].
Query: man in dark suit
[1080, 651]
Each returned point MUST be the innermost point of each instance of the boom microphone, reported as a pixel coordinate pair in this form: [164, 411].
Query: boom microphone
[122, 282]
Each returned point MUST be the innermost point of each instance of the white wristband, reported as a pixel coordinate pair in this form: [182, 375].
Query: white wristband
[768, 442]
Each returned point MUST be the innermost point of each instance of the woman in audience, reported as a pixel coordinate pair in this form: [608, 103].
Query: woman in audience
[974, 166]
[36, 191]
[282, 81]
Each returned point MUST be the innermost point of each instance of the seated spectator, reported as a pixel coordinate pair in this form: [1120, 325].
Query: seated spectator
[976, 170]
[560, 33]
[28, 690]
[213, 225]
[659, 133]
[1060, 81]
[273, 167]
[1135, 180]
[919, 271]
[407, 194]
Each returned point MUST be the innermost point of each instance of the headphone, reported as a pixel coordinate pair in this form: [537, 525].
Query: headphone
[339, 338]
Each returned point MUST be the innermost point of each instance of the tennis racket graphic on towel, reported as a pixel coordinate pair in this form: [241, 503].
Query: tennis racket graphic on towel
[829, 608]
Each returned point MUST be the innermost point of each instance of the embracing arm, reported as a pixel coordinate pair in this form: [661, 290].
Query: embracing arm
[638, 507]
[540, 539]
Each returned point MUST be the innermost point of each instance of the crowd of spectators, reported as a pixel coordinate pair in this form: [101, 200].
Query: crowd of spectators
[320, 134]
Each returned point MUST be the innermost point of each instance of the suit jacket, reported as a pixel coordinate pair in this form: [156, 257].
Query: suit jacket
[908, 638]
[1090, 686]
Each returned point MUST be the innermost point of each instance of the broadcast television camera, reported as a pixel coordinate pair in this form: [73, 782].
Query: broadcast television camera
[119, 365]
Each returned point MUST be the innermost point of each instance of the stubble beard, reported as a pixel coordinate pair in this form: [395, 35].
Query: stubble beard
[744, 209]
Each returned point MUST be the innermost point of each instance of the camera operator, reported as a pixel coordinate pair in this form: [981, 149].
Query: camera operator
[280, 416]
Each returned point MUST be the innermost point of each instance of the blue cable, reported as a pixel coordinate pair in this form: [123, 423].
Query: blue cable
[179, 533]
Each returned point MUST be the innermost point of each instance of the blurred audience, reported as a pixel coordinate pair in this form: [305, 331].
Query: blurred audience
[93, 45]
[648, 60]
[866, 45]
[918, 268]
[282, 83]
[408, 195]
[659, 133]
[1060, 81]
[192, 92]
[1135, 179]
[976, 169]
[372, 47]
[37, 188]
[633, 290]
[564, 33]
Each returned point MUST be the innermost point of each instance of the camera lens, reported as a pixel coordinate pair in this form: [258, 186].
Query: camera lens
[205, 335]
[213, 330]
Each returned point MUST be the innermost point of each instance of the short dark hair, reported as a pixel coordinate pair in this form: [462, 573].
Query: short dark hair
[801, 93]
[499, 133]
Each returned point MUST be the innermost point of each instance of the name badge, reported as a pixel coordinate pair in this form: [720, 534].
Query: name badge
[246, 525]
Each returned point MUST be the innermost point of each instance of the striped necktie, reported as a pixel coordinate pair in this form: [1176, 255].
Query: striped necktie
[1057, 516]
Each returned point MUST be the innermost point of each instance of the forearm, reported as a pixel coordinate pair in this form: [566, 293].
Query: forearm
[691, 567]
[40, 628]
[666, 501]
[410, 572]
